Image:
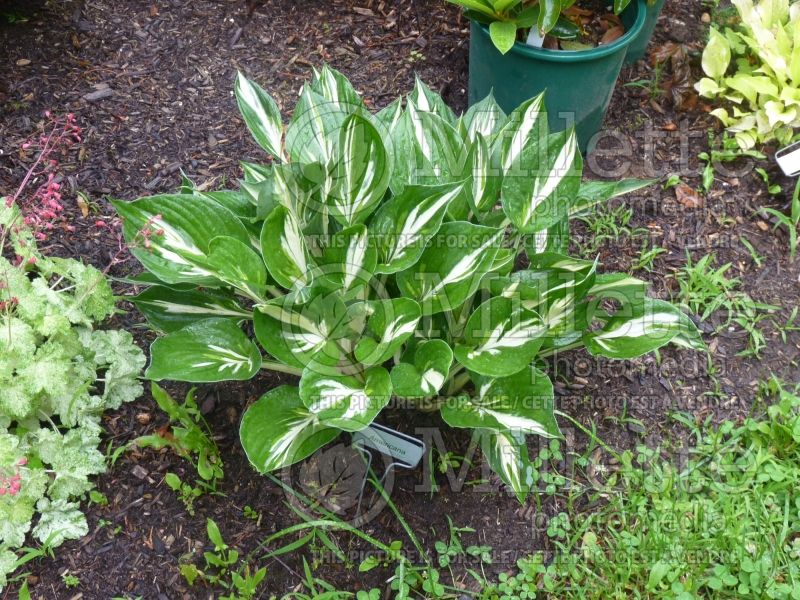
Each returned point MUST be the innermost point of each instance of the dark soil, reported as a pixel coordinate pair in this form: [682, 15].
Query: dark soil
[151, 81]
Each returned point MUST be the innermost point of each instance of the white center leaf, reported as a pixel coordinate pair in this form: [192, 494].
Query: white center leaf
[287, 261]
[521, 403]
[347, 402]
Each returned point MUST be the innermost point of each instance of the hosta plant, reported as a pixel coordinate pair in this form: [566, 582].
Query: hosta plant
[58, 373]
[754, 67]
[407, 254]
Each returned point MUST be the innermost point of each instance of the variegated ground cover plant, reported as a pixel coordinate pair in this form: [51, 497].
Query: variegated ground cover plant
[380, 256]
[58, 373]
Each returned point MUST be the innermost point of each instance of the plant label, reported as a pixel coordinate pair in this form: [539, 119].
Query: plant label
[403, 448]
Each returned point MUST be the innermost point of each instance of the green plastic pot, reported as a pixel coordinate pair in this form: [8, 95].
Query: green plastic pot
[579, 84]
[638, 46]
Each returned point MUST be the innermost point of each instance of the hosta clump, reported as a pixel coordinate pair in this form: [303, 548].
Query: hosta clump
[57, 376]
[755, 68]
[377, 256]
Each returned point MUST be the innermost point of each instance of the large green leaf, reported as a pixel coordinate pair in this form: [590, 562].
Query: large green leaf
[522, 403]
[389, 323]
[362, 173]
[203, 352]
[284, 248]
[238, 265]
[278, 430]
[484, 178]
[501, 337]
[541, 192]
[346, 402]
[640, 327]
[170, 234]
[451, 267]
[261, 114]
[168, 309]
[425, 376]
[404, 224]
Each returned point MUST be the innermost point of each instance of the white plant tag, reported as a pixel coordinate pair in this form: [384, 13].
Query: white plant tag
[788, 159]
[401, 447]
[534, 39]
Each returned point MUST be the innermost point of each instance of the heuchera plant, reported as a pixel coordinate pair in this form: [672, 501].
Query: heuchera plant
[407, 254]
[755, 67]
[57, 372]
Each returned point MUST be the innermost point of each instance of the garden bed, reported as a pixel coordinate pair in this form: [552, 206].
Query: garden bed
[150, 84]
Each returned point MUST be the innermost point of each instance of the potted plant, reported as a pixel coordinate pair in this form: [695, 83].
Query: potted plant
[638, 46]
[520, 48]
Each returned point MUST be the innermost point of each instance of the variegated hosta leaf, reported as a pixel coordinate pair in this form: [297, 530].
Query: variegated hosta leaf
[261, 115]
[313, 130]
[507, 453]
[526, 124]
[618, 286]
[390, 322]
[346, 402]
[203, 352]
[349, 260]
[334, 87]
[550, 277]
[424, 99]
[404, 224]
[170, 234]
[501, 338]
[295, 333]
[540, 192]
[235, 201]
[484, 118]
[552, 239]
[451, 267]
[485, 179]
[284, 248]
[504, 261]
[390, 116]
[168, 310]
[425, 376]
[639, 328]
[256, 173]
[362, 173]
[428, 150]
[596, 192]
[278, 430]
[238, 265]
[522, 403]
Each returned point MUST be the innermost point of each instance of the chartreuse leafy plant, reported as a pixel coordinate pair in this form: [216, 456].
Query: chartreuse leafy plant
[377, 256]
[58, 373]
[755, 68]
